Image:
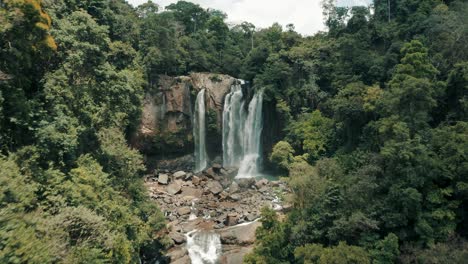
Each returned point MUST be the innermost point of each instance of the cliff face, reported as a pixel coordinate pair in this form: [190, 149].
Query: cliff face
[166, 122]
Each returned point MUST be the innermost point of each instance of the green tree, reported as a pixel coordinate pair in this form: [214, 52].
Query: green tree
[313, 133]
[282, 155]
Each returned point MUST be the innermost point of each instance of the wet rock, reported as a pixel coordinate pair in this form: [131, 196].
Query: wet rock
[174, 188]
[163, 179]
[179, 174]
[183, 211]
[214, 187]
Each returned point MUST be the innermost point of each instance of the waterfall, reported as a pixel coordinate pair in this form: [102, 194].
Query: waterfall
[252, 138]
[204, 247]
[199, 132]
[242, 129]
[233, 121]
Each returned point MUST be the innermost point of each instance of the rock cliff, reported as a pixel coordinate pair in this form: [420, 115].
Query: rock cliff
[166, 121]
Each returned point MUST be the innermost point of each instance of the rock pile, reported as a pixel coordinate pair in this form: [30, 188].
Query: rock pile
[214, 200]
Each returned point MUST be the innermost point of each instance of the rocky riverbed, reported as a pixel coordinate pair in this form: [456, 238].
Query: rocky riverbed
[213, 201]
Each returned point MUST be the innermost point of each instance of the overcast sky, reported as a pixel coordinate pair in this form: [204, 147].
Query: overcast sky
[306, 15]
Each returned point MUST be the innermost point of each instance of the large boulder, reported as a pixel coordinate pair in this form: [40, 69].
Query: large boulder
[179, 174]
[183, 210]
[234, 187]
[174, 188]
[246, 183]
[163, 178]
[214, 187]
[235, 254]
[178, 238]
[239, 235]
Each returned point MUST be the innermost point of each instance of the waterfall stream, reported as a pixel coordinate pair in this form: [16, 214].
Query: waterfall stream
[204, 247]
[242, 129]
[199, 132]
[252, 139]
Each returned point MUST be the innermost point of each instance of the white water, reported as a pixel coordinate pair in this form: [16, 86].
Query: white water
[204, 247]
[252, 139]
[199, 132]
[242, 129]
[233, 121]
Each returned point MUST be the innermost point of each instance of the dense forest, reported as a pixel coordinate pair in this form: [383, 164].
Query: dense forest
[369, 121]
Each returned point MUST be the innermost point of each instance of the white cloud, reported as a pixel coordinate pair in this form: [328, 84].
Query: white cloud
[306, 15]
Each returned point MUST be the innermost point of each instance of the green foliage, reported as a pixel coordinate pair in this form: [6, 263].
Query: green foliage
[343, 253]
[313, 133]
[375, 108]
[74, 194]
[272, 241]
[282, 155]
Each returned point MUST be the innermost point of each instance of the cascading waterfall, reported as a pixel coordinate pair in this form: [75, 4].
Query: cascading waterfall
[199, 132]
[233, 121]
[242, 129]
[204, 247]
[252, 138]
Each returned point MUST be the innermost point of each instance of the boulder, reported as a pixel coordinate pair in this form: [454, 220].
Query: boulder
[174, 188]
[234, 254]
[275, 183]
[179, 174]
[235, 197]
[189, 192]
[195, 180]
[214, 187]
[211, 173]
[188, 176]
[231, 219]
[183, 210]
[234, 187]
[217, 168]
[178, 238]
[225, 182]
[251, 217]
[177, 253]
[246, 183]
[163, 179]
[261, 183]
[240, 234]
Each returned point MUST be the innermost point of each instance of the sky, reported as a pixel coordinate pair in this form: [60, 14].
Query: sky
[306, 15]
